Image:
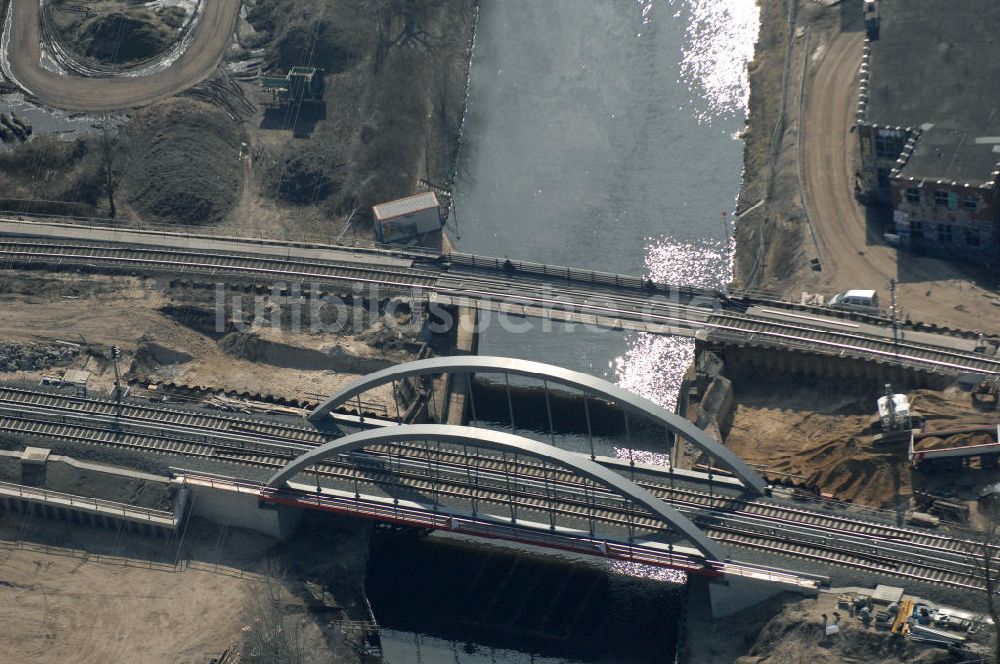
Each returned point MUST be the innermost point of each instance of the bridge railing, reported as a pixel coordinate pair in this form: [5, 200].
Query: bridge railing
[569, 273]
[431, 519]
[108, 507]
[643, 553]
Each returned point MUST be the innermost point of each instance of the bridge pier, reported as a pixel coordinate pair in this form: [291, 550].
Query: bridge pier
[457, 394]
[731, 595]
[243, 509]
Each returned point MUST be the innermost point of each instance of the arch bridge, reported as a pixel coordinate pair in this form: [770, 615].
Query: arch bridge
[591, 386]
[496, 484]
[606, 496]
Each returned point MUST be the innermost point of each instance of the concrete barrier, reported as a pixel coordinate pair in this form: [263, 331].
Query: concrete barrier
[733, 594]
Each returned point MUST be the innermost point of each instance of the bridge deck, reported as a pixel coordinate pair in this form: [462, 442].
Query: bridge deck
[535, 534]
[833, 535]
[610, 301]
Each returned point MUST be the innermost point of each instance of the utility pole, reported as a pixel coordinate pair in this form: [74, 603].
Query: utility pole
[895, 324]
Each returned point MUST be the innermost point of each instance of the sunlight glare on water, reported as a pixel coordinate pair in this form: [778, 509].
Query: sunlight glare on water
[654, 364]
[720, 40]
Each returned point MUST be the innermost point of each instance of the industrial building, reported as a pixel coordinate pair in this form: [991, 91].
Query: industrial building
[928, 123]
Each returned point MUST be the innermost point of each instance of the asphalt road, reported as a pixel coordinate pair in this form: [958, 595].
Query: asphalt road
[930, 290]
[212, 37]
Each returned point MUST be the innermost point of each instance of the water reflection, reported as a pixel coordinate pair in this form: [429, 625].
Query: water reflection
[719, 43]
[399, 647]
[599, 135]
[444, 600]
[654, 365]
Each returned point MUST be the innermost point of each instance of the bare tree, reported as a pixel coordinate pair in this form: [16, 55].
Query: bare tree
[110, 164]
[985, 559]
[271, 636]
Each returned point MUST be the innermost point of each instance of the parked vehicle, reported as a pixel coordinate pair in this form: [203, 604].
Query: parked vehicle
[861, 300]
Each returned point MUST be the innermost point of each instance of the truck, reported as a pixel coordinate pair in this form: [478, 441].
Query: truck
[955, 449]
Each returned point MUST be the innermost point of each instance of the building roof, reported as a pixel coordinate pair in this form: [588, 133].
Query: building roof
[953, 155]
[934, 66]
[405, 206]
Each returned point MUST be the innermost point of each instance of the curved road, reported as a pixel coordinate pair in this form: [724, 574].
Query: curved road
[930, 290]
[212, 36]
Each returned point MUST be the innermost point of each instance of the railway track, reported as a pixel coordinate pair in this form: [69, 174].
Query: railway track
[254, 268]
[694, 309]
[296, 437]
[882, 349]
[198, 420]
[480, 478]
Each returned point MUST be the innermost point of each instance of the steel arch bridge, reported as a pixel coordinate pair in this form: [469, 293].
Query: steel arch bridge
[507, 443]
[590, 385]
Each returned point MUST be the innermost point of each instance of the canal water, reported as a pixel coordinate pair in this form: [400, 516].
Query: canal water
[604, 135]
[441, 601]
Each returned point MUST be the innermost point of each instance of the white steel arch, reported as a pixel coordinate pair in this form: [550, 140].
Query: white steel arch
[551, 373]
[506, 442]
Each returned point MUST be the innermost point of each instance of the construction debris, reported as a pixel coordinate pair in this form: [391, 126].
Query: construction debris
[34, 357]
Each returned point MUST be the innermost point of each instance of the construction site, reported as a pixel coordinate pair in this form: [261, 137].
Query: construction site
[244, 411]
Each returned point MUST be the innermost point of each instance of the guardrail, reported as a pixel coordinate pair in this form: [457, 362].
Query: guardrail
[106, 507]
[571, 541]
[573, 274]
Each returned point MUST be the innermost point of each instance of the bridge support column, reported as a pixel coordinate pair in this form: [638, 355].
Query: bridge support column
[734, 594]
[243, 510]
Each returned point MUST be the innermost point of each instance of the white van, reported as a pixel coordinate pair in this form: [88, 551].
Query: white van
[866, 300]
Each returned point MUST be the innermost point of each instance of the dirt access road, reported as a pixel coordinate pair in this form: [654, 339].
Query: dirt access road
[21, 53]
[930, 290]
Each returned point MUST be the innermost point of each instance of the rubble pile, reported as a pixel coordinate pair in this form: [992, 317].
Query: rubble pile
[34, 357]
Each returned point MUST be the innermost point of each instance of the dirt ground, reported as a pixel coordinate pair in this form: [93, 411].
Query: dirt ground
[68, 596]
[81, 595]
[788, 628]
[822, 435]
[58, 609]
[115, 32]
[796, 635]
[811, 213]
[181, 163]
[169, 336]
[394, 76]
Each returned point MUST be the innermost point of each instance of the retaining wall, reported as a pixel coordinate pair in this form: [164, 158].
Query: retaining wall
[243, 510]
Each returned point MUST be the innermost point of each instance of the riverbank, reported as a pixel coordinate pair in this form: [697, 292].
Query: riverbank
[774, 242]
[800, 228]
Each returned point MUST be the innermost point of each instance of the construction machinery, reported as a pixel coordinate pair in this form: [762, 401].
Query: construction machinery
[986, 395]
[901, 624]
[894, 411]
